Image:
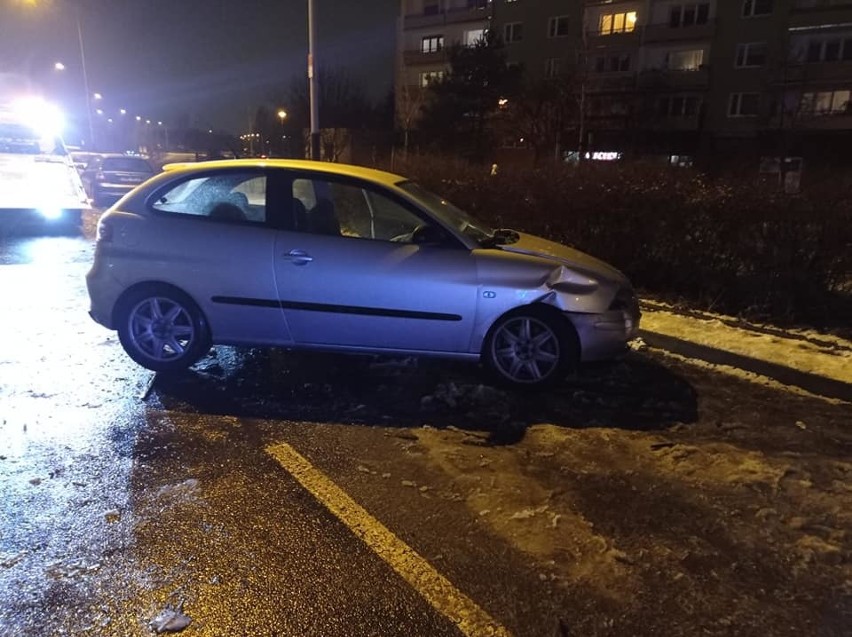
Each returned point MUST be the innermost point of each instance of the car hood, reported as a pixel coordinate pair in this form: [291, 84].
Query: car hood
[578, 261]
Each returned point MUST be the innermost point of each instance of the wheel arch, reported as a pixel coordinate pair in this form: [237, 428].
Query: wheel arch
[545, 309]
[153, 285]
[557, 321]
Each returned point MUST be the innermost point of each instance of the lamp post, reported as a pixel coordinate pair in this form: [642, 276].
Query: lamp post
[166, 132]
[85, 76]
[282, 115]
[312, 80]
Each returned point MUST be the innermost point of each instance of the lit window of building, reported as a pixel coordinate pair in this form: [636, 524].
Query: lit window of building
[427, 77]
[473, 36]
[432, 43]
[617, 23]
[825, 102]
[685, 60]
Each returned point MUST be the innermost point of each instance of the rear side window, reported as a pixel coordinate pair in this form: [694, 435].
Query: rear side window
[233, 197]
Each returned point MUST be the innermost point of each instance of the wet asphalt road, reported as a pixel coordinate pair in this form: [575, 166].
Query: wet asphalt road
[124, 498]
[102, 522]
[115, 508]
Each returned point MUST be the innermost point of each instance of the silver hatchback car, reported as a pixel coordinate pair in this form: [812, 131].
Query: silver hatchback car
[311, 255]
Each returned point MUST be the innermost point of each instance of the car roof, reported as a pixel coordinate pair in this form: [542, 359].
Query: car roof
[346, 170]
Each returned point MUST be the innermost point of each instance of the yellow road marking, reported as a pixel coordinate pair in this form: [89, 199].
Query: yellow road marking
[414, 569]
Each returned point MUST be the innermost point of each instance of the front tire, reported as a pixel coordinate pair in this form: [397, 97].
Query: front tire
[162, 329]
[530, 347]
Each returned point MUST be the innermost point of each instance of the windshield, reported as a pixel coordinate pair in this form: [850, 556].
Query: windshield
[448, 213]
[21, 139]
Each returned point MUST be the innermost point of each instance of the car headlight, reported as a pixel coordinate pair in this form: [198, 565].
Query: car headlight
[50, 212]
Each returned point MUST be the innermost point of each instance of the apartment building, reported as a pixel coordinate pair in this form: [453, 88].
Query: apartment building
[681, 78]
[427, 29]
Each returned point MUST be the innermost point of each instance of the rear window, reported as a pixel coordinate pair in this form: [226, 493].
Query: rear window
[126, 165]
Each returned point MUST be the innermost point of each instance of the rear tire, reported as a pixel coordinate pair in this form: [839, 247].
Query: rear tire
[531, 347]
[161, 328]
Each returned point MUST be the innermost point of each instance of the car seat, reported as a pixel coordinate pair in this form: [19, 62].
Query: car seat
[239, 199]
[227, 212]
[322, 219]
[300, 216]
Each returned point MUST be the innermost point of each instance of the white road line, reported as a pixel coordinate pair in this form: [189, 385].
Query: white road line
[414, 569]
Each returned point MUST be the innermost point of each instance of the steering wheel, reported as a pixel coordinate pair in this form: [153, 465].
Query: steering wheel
[408, 237]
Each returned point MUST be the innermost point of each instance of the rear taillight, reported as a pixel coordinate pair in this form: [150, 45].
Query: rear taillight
[105, 231]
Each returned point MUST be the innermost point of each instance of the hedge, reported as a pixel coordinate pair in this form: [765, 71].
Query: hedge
[735, 246]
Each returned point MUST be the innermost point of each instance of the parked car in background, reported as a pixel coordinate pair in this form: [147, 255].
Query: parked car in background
[314, 255]
[81, 158]
[110, 177]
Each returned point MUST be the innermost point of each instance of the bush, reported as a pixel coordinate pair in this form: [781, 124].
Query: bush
[732, 246]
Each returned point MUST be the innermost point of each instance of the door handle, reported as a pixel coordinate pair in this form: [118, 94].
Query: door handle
[298, 257]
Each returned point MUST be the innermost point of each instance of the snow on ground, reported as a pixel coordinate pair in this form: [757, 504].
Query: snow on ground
[802, 350]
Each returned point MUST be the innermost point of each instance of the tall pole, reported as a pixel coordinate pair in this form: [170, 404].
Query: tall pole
[85, 79]
[312, 80]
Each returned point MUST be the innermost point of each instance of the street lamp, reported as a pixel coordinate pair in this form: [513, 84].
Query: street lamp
[59, 66]
[282, 115]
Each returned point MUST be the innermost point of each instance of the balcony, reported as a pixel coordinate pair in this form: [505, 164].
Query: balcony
[415, 58]
[820, 72]
[447, 16]
[654, 79]
[675, 124]
[596, 40]
[614, 3]
[836, 121]
[814, 13]
[663, 32]
[612, 82]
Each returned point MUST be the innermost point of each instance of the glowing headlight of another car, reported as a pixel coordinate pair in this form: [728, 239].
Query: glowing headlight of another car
[50, 212]
[44, 118]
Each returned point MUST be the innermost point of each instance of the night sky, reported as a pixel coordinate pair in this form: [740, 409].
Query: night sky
[208, 62]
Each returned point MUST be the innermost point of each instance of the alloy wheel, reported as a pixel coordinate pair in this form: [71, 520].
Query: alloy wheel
[526, 350]
[161, 329]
